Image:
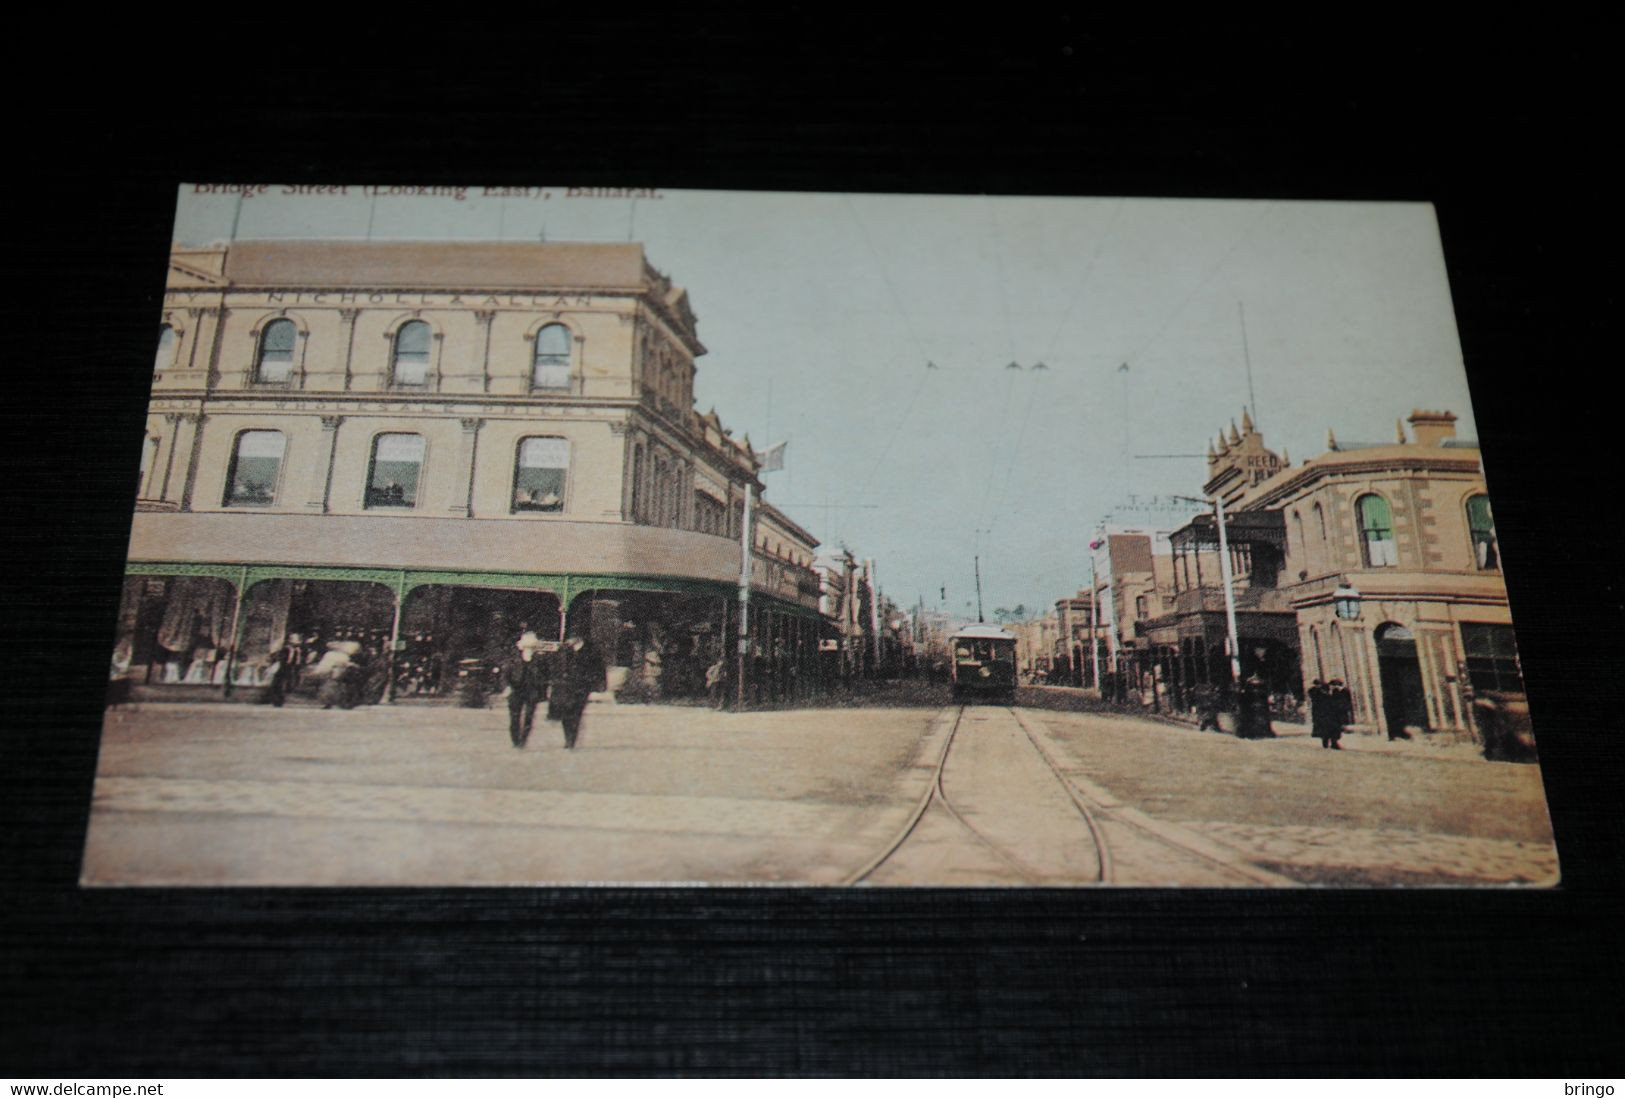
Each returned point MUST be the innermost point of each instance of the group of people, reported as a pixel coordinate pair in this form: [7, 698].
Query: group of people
[563, 678]
[1331, 710]
[347, 671]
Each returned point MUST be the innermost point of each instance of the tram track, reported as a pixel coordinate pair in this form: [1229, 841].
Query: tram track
[1093, 805]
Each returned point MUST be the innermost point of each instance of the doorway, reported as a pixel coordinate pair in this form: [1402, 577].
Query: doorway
[1404, 706]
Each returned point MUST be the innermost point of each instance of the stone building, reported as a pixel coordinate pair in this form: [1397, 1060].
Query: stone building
[1393, 570]
[1374, 563]
[424, 447]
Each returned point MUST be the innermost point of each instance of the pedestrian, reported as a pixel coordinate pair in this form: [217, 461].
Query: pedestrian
[1342, 707]
[714, 682]
[1323, 716]
[337, 671]
[525, 673]
[276, 691]
[1253, 716]
[579, 672]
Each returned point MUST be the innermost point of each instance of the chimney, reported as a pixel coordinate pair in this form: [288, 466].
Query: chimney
[1432, 428]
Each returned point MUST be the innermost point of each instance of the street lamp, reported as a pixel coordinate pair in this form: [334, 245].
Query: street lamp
[1346, 601]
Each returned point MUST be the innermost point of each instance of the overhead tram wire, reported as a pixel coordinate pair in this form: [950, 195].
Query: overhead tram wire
[1010, 345]
[908, 324]
[1201, 283]
[1016, 451]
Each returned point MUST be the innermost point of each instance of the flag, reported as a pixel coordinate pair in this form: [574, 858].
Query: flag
[773, 458]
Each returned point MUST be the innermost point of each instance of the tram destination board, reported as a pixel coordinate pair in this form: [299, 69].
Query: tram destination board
[559, 535]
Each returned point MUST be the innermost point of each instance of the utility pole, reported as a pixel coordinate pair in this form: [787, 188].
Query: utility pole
[1094, 645]
[744, 598]
[1228, 579]
[1229, 592]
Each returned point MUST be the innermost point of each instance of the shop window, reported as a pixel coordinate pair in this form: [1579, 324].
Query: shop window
[550, 366]
[1492, 657]
[409, 368]
[275, 364]
[392, 477]
[1377, 532]
[1482, 525]
[167, 345]
[256, 463]
[538, 483]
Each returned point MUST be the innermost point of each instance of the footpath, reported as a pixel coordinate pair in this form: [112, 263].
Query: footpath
[1443, 746]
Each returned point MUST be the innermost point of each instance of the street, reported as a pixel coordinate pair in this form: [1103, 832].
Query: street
[884, 795]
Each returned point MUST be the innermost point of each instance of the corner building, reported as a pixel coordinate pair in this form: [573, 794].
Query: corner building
[424, 447]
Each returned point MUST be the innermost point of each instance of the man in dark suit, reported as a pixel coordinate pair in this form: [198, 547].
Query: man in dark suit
[525, 674]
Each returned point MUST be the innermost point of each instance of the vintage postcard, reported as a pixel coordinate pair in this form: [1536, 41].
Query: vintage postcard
[558, 535]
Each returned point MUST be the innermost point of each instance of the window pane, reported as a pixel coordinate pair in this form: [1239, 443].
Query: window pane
[276, 351]
[1492, 657]
[553, 342]
[166, 349]
[413, 338]
[550, 367]
[1376, 528]
[539, 479]
[411, 365]
[280, 335]
[254, 469]
[396, 462]
[1481, 522]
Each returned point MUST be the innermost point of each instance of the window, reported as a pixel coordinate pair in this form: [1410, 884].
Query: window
[149, 458]
[167, 345]
[1377, 532]
[550, 369]
[275, 365]
[1482, 525]
[392, 480]
[410, 366]
[538, 482]
[255, 465]
[1492, 657]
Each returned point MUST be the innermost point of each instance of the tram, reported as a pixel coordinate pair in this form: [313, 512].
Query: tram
[984, 662]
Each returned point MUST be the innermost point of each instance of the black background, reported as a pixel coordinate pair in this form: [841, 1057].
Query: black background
[1503, 130]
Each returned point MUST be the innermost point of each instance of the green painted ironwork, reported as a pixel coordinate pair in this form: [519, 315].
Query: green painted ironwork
[566, 586]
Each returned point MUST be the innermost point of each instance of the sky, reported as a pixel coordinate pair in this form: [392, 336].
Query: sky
[821, 313]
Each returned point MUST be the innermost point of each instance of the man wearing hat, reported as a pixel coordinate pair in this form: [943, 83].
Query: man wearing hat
[526, 675]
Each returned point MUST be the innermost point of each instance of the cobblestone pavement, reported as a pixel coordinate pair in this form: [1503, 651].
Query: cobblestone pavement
[209, 794]
[236, 794]
[1410, 814]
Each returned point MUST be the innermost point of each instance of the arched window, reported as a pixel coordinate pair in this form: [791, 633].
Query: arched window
[392, 478]
[539, 475]
[1297, 536]
[1377, 532]
[167, 345]
[275, 365]
[256, 463]
[550, 367]
[410, 365]
[1482, 526]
